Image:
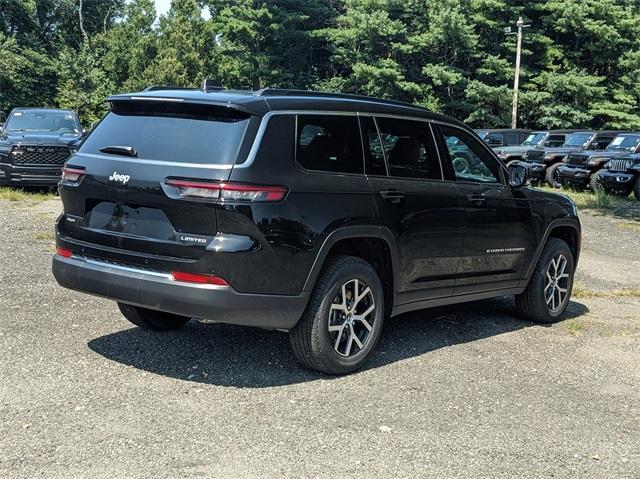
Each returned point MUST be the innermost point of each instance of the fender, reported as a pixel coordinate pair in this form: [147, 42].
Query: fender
[364, 231]
[572, 223]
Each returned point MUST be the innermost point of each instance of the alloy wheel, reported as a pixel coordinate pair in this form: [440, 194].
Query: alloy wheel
[556, 283]
[351, 318]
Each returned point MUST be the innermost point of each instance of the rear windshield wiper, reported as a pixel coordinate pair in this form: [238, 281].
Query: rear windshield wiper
[119, 150]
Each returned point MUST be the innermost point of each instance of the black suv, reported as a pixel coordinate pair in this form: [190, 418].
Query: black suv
[312, 213]
[496, 138]
[35, 143]
[581, 169]
[544, 163]
[621, 176]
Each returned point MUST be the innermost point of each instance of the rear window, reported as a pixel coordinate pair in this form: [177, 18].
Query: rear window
[181, 133]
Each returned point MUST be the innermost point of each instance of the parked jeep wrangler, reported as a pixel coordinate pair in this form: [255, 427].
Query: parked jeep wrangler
[621, 176]
[317, 214]
[580, 169]
[496, 138]
[538, 140]
[544, 164]
[34, 144]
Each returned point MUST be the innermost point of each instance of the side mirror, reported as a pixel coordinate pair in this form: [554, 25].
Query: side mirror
[518, 175]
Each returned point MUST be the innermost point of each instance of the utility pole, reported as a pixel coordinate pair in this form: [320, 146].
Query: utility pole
[516, 82]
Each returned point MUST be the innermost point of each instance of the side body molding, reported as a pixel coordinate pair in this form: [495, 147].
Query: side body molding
[347, 232]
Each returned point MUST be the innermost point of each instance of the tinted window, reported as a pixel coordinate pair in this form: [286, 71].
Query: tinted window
[534, 138]
[409, 149]
[624, 142]
[471, 162]
[171, 132]
[329, 143]
[555, 140]
[494, 139]
[373, 150]
[36, 120]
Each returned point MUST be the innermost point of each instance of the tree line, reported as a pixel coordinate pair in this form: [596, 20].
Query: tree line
[580, 67]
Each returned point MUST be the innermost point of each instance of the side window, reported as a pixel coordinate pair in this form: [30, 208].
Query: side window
[373, 150]
[329, 143]
[494, 140]
[471, 162]
[409, 149]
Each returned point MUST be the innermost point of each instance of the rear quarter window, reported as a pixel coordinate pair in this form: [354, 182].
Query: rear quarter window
[329, 143]
[181, 133]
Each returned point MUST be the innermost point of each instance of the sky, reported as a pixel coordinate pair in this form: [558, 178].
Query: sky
[162, 6]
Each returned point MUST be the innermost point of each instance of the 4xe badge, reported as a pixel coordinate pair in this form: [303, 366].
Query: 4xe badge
[124, 179]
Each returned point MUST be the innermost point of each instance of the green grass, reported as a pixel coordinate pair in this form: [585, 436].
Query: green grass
[574, 326]
[579, 291]
[19, 195]
[44, 236]
[601, 202]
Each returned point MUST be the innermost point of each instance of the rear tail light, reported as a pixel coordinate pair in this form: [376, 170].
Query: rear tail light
[198, 278]
[71, 174]
[64, 252]
[235, 192]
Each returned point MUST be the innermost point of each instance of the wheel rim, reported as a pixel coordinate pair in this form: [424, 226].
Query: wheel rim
[556, 283]
[352, 318]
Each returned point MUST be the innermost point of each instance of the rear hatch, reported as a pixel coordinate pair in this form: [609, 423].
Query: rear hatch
[122, 207]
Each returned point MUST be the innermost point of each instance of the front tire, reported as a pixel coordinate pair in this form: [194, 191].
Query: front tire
[343, 320]
[152, 320]
[595, 183]
[551, 176]
[636, 188]
[549, 290]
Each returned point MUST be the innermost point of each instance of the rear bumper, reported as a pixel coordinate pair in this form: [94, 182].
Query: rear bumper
[160, 292]
[617, 180]
[29, 175]
[577, 176]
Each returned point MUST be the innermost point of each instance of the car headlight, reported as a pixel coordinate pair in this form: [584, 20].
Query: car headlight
[628, 164]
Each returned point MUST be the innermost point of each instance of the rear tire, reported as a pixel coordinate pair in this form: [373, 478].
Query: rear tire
[636, 188]
[544, 301]
[551, 176]
[152, 320]
[347, 302]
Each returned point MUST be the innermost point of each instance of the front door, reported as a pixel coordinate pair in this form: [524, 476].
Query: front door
[499, 224]
[415, 204]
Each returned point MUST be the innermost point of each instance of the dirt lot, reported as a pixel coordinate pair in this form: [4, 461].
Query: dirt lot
[468, 391]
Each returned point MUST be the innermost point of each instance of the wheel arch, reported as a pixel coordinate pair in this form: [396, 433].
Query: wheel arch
[566, 229]
[366, 242]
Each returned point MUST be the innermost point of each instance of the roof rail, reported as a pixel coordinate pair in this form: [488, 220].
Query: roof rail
[210, 85]
[168, 87]
[324, 94]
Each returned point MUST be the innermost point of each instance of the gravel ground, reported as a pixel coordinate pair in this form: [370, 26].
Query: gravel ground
[469, 391]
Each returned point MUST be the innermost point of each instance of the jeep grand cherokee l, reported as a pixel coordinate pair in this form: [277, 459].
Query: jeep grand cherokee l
[34, 144]
[316, 214]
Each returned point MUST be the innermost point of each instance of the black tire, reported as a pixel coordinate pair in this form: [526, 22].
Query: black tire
[314, 346]
[152, 320]
[636, 188]
[532, 303]
[595, 183]
[551, 176]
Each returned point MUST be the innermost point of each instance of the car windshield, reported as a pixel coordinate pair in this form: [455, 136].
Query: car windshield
[578, 139]
[63, 121]
[535, 139]
[624, 142]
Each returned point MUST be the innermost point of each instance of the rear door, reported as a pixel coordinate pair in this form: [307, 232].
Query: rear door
[124, 201]
[415, 203]
[499, 226]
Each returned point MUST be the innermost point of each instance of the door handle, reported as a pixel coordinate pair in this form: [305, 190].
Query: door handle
[477, 200]
[393, 196]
